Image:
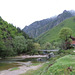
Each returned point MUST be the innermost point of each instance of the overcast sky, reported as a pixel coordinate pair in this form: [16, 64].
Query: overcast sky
[24, 12]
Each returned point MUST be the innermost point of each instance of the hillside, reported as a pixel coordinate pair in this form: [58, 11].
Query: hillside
[8, 31]
[37, 28]
[61, 66]
[13, 41]
[52, 34]
[34, 29]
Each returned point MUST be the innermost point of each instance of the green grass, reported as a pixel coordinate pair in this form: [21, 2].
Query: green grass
[52, 34]
[35, 64]
[42, 69]
[15, 68]
[36, 72]
[61, 66]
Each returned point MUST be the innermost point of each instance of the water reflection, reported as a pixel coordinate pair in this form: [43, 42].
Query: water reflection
[13, 62]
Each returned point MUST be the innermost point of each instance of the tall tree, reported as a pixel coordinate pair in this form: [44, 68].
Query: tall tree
[19, 44]
[65, 34]
[47, 45]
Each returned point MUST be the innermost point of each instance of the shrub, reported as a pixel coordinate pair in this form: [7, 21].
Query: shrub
[66, 52]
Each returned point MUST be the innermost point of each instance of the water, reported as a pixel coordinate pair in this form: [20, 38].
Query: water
[13, 62]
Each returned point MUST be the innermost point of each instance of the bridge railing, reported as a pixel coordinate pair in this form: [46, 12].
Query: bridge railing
[49, 50]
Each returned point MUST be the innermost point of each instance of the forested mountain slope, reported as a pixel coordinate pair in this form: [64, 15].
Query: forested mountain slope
[8, 31]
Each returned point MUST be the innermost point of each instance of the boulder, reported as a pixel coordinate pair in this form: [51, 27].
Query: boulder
[39, 59]
[50, 55]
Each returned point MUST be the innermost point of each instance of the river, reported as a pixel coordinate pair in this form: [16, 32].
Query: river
[15, 62]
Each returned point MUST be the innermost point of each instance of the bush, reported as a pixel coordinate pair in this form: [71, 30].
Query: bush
[66, 52]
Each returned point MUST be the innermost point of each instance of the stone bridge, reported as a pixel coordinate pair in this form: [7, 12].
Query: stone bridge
[49, 52]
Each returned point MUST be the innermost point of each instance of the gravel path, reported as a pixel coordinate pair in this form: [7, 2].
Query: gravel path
[22, 69]
[30, 56]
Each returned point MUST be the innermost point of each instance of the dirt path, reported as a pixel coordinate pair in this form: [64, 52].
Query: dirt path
[22, 69]
[29, 56]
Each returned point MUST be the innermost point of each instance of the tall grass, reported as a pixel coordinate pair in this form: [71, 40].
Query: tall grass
[62, 66]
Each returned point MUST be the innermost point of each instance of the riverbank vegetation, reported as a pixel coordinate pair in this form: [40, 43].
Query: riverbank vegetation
[13, 41]
[57, 66]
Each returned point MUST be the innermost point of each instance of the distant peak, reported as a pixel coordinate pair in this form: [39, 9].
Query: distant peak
[65, 11]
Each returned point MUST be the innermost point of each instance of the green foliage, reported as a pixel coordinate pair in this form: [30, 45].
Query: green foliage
[65, 33]
[6, 49]
[30, 46]
[42, 70]
[66, 52]
[16, 68]
[23, 33]
[52, 34]
[53, 45]
[47, 46]
[37, 46]
[19, 44]
[7, 33]
[62, 65]
[13, 40]
[57, 66]
[36, 72]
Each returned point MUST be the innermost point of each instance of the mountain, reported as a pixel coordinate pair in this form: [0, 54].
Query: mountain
[53, 34]
[34, 29]
[37, 28]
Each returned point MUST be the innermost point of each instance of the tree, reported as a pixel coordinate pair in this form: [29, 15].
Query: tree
[13, 40]
[65, 34]
[19, 44]
[23, 33]
[37, 46]
[30, 46]
[47, 45]
[6, 49]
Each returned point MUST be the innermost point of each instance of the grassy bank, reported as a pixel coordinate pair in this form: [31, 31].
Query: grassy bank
[63, 66]
[57, 66]
[36, 72]
[42, 69]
